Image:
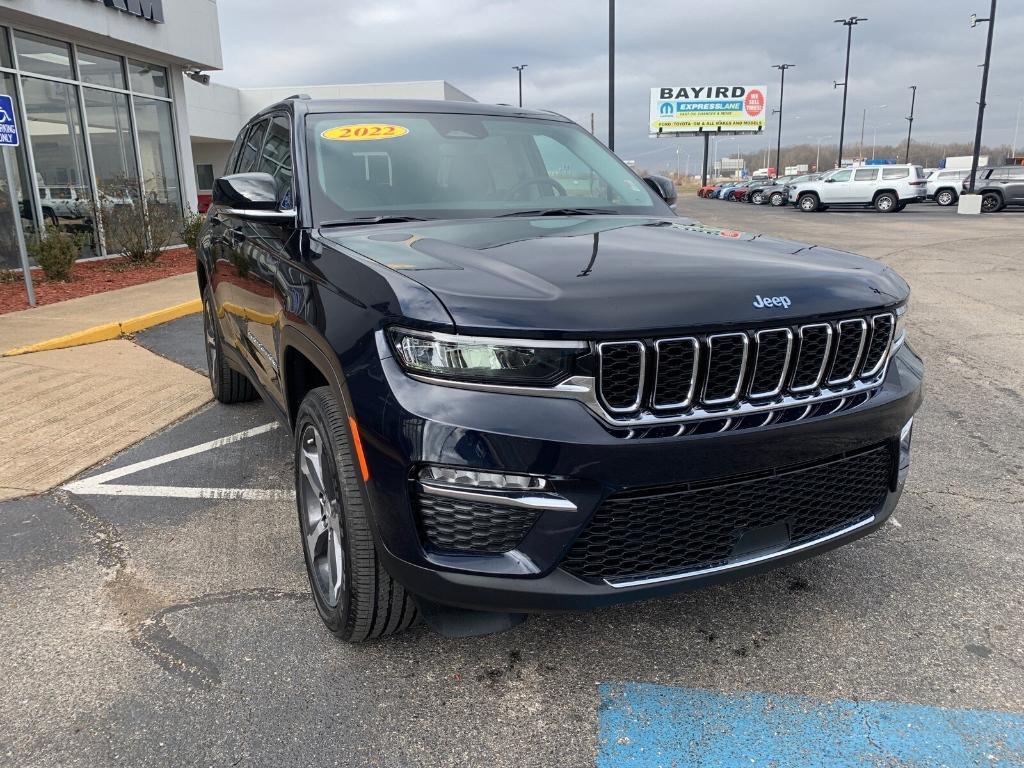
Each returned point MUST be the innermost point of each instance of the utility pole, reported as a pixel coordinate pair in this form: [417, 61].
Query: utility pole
[863, 122]
[910, 128]
[849, 23]
[520, 69]
[984, 87]
[782, 91]
[611, 75]
[1016, 128]
[591, 123]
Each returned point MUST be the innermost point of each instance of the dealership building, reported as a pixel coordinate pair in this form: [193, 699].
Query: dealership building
[108, 101]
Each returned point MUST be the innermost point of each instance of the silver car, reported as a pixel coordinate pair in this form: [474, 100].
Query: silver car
[886, 188]
[943, 186]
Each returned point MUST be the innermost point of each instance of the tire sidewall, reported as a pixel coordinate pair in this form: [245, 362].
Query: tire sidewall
[996, 206]
[776, 196]
[893, 202]
[310, 413]
[949, 196]
[808, 203]
[210, 316]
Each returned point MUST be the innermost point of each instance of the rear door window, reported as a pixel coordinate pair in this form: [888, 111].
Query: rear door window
[891, 174]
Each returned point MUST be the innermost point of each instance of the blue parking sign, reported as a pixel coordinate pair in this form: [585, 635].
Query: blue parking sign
[8, 125]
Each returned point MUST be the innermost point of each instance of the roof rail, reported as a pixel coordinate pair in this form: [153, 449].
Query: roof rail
[303, 96]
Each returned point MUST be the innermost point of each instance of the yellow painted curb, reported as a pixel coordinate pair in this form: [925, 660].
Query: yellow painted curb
[109, 331]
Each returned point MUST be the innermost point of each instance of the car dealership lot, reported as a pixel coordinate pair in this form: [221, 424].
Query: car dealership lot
[156, 629]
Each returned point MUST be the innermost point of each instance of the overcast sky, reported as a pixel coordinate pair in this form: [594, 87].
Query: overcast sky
[474, 43]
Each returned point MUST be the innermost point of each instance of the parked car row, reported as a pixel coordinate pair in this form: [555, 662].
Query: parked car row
[886, 188]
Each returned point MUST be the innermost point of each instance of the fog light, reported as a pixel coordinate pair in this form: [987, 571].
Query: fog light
[471, 478]
[906, 434]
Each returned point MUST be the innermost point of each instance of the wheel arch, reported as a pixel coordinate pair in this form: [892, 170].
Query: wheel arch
[883, 191]
[304, 367]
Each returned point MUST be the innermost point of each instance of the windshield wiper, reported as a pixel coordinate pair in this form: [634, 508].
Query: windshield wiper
[559, 212]
[371, 220]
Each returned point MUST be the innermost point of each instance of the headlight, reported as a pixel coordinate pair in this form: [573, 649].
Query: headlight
[900, 333]
[487, 360]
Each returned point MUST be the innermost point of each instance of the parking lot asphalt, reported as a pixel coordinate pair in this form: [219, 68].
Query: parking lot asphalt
[174, 626]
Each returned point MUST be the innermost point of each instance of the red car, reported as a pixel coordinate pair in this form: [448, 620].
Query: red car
[737, 193]
[705, 190]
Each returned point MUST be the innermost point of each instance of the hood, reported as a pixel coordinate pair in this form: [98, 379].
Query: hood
[594, 276]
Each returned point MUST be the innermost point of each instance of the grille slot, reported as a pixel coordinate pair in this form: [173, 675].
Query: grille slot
[882, 327]
[849, 346]
[675, 379]
[622, 375]
[771, 362]
[727, 362]
[471, 527]
[674, 531]
[815, 343]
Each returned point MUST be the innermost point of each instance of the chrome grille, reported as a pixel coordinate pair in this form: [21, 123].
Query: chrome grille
[741, 372]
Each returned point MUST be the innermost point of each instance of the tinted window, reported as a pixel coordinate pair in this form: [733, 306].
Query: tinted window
[251, 149]
[277, 153]
[895, 173]
[1013, 172]
[463, 165]
[865, 174]
[43, 56]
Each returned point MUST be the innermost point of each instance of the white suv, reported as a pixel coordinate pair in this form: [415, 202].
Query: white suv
[944, 186]
[887, 188]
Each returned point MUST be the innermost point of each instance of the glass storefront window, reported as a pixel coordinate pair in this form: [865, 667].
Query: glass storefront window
[58, 146]
[156, 152]
[13, 173]
[43, 56]
[148, 79]
[98, 68]
[5, 50]
[109, 129]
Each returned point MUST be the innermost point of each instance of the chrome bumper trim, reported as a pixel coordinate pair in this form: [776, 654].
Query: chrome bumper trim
[541, 502]
[686, 575]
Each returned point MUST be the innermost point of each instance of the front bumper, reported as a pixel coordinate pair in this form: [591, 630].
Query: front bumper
[407, 423]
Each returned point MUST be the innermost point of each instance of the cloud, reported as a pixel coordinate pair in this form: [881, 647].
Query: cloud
[474, 43]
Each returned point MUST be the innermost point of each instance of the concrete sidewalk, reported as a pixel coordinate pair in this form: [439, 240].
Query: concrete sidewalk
[31, 326]
[67, 409]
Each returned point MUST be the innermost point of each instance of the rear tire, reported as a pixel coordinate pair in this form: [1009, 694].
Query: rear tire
[945, 197]
[228, 385]
[992, 202]
[886, 202]
[777, 199]
[757, 198]
[808, 202]
[357, 599]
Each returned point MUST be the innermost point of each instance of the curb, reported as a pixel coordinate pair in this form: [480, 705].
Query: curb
[109, 331]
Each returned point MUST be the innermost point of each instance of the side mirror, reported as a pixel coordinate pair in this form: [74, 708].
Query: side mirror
[251, 196]
[829, 180]
[664, 188]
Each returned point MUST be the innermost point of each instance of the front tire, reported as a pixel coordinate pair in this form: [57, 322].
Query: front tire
[228, 385]
[945, 197]
[992, 202]
[356, 598]
[757, 198]
[777, 200]
[808, 203]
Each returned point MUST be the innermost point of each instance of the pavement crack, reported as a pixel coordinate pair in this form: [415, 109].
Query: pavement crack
[113, 553]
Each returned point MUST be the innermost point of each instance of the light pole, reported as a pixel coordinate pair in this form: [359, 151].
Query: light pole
[849, 23]
[984, 87]
[520, 69]
[910, 120]
[1016, 128]
[874, 137]
[782, 90]
[863, 122]
[611, 75]
[817, 158]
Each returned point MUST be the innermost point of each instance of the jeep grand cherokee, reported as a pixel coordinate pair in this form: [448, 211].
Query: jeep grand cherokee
[518, 382]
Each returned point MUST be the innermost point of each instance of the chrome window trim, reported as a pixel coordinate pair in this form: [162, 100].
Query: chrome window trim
[521, 500]
[739, 379]
[686, 575]
[693, 373]
[643, 373]
[862, 323]
[785, 365]
[824, 358]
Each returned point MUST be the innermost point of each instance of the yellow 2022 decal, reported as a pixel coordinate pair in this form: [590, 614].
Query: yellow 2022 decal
[364, 132]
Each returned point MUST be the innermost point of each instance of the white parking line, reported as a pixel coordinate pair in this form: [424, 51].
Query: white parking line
[99, 485]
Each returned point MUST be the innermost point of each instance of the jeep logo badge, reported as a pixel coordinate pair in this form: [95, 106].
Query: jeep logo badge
[774, 301]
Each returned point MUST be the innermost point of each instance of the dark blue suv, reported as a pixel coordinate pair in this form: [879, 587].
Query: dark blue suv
[518, 382]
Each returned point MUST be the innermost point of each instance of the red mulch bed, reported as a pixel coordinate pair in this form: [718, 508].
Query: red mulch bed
[95, 277]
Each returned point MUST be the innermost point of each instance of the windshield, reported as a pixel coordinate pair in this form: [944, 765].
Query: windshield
[365, 165]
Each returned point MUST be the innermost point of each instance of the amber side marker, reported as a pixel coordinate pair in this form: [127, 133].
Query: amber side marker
[358, 443]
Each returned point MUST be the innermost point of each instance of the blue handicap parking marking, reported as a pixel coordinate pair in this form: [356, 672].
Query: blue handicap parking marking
[8, 125]
[646, 725]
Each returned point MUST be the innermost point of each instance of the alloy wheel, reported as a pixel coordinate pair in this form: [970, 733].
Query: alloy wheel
[990, 203]
[945, 197]
[320, 510]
